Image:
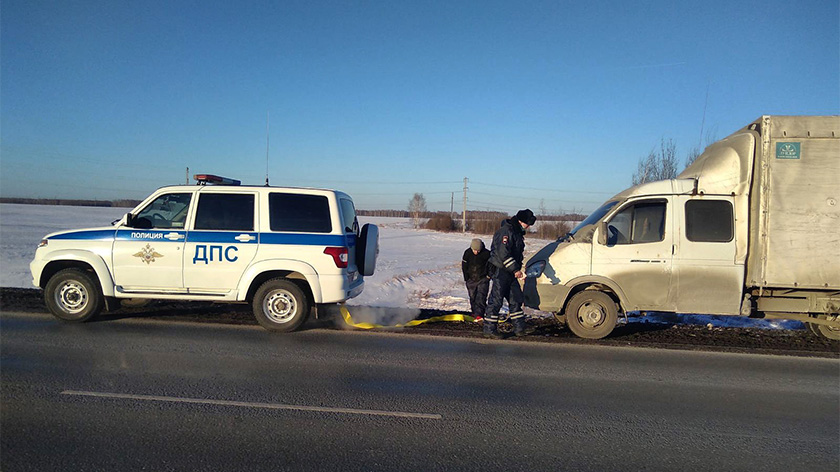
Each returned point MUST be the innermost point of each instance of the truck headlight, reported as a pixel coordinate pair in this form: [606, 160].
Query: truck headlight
[535, 270]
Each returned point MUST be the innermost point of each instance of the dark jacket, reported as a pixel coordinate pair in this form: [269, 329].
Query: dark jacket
[508, 248]
[475, 266]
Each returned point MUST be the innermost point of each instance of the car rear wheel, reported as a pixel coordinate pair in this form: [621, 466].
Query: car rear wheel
[280, 305]
[73, 295]
[591, 314]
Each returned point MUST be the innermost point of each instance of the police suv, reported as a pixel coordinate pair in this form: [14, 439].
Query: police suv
[281, 249]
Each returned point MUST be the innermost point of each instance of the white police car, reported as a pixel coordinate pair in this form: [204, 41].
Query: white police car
[280, 249]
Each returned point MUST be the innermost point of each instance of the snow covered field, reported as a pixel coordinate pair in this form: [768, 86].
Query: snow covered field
[416, 268]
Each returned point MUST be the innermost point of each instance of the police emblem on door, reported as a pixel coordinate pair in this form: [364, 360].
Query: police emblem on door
[148, 254]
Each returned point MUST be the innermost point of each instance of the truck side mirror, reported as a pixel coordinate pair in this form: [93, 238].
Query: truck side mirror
[602, 233]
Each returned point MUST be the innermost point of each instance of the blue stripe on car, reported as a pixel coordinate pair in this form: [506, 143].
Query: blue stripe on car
[219, 237]
[97, 235]
[147, 235]
[303, 239]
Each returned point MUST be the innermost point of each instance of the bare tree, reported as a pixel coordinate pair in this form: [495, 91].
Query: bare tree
[660, 165]
[692, 156]
[695, 152]
[417, 207]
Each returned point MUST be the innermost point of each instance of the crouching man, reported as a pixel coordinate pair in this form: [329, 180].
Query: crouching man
[476, 269]
[506, 254]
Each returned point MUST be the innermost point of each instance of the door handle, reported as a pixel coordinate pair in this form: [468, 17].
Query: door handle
[244, 238]
[173, 236]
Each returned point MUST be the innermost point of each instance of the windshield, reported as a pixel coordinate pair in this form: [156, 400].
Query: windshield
[595, 216]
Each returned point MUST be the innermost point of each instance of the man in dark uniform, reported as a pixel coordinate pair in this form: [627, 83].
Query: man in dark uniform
[506, 254]
[476, 269]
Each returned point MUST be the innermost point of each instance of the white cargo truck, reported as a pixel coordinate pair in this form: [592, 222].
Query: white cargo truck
[751, 228]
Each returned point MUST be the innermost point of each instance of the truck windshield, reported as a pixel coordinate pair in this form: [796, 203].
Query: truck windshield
[594, 217]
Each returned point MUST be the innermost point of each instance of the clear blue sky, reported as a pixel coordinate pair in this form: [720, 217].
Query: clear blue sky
[531, 100]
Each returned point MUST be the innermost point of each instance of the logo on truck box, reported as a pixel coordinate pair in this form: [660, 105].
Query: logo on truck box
[787, 150]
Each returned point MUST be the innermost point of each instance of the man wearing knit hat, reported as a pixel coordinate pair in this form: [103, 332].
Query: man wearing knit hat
[476, 268]
[506, 254]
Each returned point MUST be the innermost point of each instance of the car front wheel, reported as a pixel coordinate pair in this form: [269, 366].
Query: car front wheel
[73, 295]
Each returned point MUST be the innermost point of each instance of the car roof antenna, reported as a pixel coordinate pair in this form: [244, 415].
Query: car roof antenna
[267, 116]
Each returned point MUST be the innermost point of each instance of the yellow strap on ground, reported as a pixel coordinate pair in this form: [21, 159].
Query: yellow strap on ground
[349, 320]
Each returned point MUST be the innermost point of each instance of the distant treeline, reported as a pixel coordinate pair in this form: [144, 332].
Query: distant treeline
[57, 201]
[471, 215]
[389, 213]
[488, 223]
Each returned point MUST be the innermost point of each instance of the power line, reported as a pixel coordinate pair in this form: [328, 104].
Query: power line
[563, 200]
[520, 187]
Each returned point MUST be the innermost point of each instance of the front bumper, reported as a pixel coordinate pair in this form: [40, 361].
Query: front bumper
[545, 296]
[35, 268]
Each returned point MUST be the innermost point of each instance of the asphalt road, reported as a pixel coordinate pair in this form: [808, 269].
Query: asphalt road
[134, 394]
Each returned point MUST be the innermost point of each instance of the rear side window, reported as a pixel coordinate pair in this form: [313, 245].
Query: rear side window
[299, 213]
[348, 217]
[225, 212]
[709, 221]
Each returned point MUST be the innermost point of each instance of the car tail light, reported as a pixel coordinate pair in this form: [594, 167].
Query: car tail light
[339, 255]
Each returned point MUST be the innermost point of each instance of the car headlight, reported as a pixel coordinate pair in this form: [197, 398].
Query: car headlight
[535, 270]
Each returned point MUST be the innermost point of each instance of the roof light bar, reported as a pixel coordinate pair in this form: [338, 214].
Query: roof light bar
[204, 179]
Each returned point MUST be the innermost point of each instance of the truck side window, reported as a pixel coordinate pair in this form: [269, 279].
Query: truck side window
[225, 212]
[642, 222]
[168, 211]
[710, 221]
[299, 213]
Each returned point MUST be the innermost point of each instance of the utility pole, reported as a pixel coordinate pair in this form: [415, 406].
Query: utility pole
[187, 182]
[452, 205]
[464, 216]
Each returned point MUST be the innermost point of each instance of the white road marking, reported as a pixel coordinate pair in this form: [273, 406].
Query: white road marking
[270, 406]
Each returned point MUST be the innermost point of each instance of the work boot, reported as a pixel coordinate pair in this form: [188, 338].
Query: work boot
[491, 330]
[519, 327]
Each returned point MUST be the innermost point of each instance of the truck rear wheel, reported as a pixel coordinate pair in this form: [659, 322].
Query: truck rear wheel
[591, 314]
[73, 295]
[825, 331]
[280, 305]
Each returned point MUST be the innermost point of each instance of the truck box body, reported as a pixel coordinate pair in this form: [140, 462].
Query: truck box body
[795, 232]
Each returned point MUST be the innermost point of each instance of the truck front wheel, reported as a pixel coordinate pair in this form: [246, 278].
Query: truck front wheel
[591, 314]
[73, 295]
[280, 305]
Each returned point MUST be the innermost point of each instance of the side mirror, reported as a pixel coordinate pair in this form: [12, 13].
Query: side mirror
[602, 233]
[122, 221]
